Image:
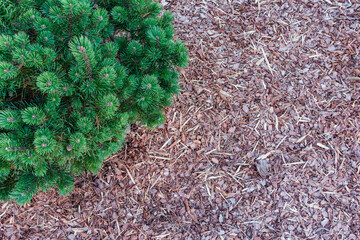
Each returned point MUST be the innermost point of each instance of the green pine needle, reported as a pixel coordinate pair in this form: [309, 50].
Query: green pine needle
[73, 76]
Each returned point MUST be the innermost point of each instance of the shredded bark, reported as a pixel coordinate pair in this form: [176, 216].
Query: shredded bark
[270, 81]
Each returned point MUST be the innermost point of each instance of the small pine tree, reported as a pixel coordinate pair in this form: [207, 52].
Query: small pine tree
[73, 75]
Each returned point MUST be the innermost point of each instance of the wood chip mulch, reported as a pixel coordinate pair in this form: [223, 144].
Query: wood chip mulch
[263, 142]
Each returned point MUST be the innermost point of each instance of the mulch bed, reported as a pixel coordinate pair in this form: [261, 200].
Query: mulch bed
[263, 142]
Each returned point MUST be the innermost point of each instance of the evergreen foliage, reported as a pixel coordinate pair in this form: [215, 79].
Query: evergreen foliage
[73, 75]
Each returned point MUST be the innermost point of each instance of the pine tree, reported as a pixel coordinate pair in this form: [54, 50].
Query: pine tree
[73, 75]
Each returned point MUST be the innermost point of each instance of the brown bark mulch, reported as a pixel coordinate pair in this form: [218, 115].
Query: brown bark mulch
[263, 142]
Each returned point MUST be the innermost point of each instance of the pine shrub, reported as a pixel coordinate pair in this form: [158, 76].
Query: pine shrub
[73, 75]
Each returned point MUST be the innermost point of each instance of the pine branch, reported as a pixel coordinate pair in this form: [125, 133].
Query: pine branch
[60, 86]
[87, 63]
